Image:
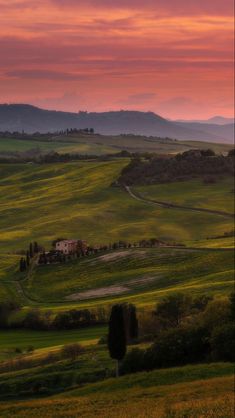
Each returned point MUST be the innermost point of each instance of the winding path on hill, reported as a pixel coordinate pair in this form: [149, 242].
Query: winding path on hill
[168, 205]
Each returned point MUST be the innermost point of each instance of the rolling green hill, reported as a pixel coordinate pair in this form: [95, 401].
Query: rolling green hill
[76, 200]
[42, 202]
[101, 144]
[141, 276]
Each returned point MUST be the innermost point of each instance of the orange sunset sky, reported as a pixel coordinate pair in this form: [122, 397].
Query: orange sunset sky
[173, 57]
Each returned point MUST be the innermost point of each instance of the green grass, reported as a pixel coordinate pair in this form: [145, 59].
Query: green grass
[47, 339]
[155, 378]
[61, 146]
[217, 196]
[145, 274]
[100, 144]
[76, 200]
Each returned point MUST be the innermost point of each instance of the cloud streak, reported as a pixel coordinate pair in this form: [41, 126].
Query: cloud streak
[118, 52]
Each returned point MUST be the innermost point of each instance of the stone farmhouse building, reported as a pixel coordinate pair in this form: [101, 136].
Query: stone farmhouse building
[71, 246]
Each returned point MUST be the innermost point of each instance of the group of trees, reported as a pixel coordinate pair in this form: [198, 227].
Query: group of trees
[187, 331]
[36, 319]
[24, 262]
[190, 164]
[6, 309]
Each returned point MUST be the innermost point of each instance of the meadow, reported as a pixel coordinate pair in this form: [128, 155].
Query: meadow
[194, 193]
[193, 391]
[77, 200]
[141, 276]
[44, 342]
[100, 144]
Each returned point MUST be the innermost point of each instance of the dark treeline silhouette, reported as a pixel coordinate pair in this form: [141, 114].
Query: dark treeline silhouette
[190, 164]
[36, 319]
[37, 156]
[186, 331]
[45, 136]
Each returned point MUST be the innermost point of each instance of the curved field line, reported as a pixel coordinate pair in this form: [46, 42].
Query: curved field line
[168, 205]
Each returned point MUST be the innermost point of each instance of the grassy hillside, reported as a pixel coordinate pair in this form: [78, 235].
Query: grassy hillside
[44, 341]
[100, 144]
[194, 193]
[138, 275]
[192, 391]
[76, 200]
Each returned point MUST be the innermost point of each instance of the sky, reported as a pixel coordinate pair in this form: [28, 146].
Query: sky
[172, 57]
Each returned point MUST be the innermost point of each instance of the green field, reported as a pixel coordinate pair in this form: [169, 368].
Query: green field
[77, 200]
[140, 275]
[81, 146]
[44, 341]
[100, 144]
[194, 193]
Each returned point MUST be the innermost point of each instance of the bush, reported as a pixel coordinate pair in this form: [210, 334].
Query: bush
[72, 351]
[174, 347]
[223, 342]
[133, 362]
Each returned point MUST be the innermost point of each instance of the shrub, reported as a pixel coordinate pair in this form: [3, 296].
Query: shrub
[223, 342]
[133, 362]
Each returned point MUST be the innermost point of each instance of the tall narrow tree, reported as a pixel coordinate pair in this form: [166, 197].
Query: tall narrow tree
[27, 258]
[117, 335]
[31, 250]
[35, 247]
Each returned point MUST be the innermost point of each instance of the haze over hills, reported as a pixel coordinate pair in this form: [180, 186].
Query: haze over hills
[18, 117]
[218, 120]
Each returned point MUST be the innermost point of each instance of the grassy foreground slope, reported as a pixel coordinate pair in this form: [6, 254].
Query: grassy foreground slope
[191, 391]
[138, 275]
[76, 200]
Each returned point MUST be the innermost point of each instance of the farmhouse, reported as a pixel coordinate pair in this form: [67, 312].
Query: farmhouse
[71, 246]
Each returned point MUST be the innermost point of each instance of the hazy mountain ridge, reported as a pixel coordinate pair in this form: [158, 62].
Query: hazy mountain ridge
[18, 117]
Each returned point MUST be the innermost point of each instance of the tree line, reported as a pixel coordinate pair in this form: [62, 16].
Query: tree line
[186, 331]
[188, 165]
[24, 262]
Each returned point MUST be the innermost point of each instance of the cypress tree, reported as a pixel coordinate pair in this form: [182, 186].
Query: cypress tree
[35, 247]
[117, 335]
[31, 250]
[24, 264]
[21, 265]
[27, 258]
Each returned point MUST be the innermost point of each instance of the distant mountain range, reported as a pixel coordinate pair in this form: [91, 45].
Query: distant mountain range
[18, 117]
